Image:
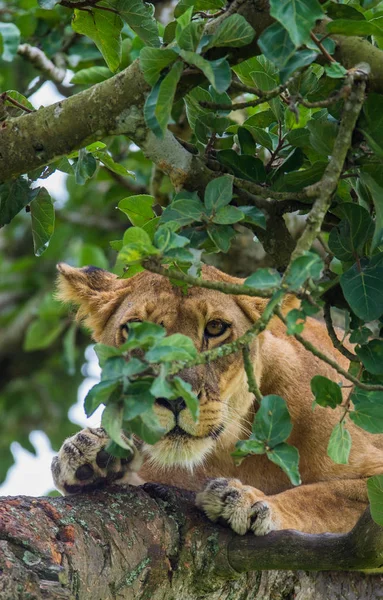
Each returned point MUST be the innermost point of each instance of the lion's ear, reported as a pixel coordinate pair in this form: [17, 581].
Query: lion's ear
[95, 291]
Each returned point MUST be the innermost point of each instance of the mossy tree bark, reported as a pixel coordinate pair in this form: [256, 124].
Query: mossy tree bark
[152, 543]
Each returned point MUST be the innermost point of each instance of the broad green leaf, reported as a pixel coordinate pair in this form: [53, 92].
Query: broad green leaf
[322, 135]
[309, 265]
[234, 31]
[92, 255]
[227, 215]
[371, 356]
[165, 97]
[99, 394]
[218, 193]
[137, 245]
[143, 335]
[254, 215]
[154, 60]
[91, 75]
[188, 38]
[173, 347]
[263, 279]
[104, 352]
[299, 179]
[295, 320]
[184, 389]
[368, 416]
[371, 123]
[286, 457]
[184, 211]
[347, 239]
[104, 28]
[139, 16]
[150, 109]
[221, 236]
[272, 424]
[362, 287]
[146, 427]
[41, 333]
[85, 166]
[138, 208]
[261, 136]
[375, 496]
[14, 195]
[244, 166]
[339, 444]
[297, 16]
[216, 71]
[137, 399]
[43, 221]
[10, 37]
[111, 421]
[353, 27]
[375, 188]
[326, 392]
[116, 367]
[20, 98]
[276, 45]
[246, 141]
[301, 58]
[245, 448]
[110, 164]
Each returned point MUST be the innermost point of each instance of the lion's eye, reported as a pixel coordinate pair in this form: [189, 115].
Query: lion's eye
[125, 327]
[216, 328]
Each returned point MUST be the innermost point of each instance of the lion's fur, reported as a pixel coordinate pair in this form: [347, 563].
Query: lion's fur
[334, 494]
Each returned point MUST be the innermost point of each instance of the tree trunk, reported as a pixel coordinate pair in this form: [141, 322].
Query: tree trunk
[151, 543]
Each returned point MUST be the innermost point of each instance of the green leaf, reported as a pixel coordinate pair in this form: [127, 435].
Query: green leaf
[245, 447]
[275, 43]
[10, 37]
[221, 236]
[339, 444]
[216, 71]
[301, 58]
[41, 333]
[188, 38]
[286, 457]
[335, 71]
[137, 399]
[353, 27]
[104, 28]
[371, 123]
[14, 195]
[91, 75]
[139, 16]
[375, 188]
[173, 347]
[297, 16]
[326, 392]
[146, 427]
[218, 193]
[20, 98]
[309, 265]
[272, 424]
[263, 279]
[295, 320]
[138, 208]
[85, 166]
[234, 31]
[137, 245]
[322, 135]
[371, 356]
[244, 166]
[99, 394]
[165, 98]
[227, 215]
[154, 60]
[184, 389]
[104, 352]
[183, 211]
[367, 415]
[143, 335]
[43, 221]
[254, 215]
[117, 367]
[375, 496]
[362, 287]
[347, 240]
[111, 421]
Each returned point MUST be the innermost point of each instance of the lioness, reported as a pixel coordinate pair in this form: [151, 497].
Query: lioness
[257, 495]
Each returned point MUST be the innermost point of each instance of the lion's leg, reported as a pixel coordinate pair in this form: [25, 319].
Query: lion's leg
[328, 506]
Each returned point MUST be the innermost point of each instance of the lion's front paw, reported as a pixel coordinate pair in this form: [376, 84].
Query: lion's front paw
[83, 464]
[243, 507]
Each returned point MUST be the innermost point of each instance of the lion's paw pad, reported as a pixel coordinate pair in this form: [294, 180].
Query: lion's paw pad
[241, 506]
[83, 464]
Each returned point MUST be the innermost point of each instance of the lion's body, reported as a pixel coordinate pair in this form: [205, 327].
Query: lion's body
[333, 495]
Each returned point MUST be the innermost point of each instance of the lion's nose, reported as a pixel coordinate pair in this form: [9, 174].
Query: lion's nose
[174, 405]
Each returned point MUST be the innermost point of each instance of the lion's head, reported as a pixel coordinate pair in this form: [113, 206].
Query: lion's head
[108, 304]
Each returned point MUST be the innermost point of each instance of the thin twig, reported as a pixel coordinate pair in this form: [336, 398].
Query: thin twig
[334, 338]
[321, 47]
[41, 62]
[249, 369]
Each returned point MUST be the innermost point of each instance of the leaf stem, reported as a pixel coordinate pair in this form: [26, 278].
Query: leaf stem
[249, 369]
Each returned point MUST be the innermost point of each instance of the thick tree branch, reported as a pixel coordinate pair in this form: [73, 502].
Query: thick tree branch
[153, 543]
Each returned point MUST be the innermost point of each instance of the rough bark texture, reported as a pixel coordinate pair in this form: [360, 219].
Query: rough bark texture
[122, 545]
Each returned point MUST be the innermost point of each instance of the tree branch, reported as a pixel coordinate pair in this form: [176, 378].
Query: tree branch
[153, 543]
[41, 62]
